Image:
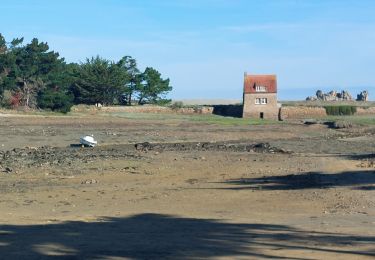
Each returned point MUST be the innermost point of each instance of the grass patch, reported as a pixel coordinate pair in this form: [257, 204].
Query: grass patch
[204, 119]
[355, 119]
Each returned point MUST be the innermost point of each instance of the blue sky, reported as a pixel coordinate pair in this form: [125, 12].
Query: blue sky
[205, 46]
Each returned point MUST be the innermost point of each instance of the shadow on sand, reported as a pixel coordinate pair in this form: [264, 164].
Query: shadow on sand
[153, 236]
[311, 180]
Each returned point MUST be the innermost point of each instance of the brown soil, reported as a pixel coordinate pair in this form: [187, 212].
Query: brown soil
[169, 189]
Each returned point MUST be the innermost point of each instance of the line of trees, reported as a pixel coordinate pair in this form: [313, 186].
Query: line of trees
[33, 76]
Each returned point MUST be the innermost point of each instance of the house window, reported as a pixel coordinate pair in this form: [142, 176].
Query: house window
[260, 89]
[261, 101]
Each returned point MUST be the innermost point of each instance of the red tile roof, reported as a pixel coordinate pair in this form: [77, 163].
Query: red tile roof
[267, 81]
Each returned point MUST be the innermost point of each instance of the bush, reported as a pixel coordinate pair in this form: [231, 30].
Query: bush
[340, 110]
[7, 99]
[177, 105]
[162, 102]
[55, 100]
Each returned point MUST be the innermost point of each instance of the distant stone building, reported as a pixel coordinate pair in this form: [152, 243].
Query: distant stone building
[260, 97]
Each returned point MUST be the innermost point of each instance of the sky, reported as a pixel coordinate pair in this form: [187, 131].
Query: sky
[205, 46]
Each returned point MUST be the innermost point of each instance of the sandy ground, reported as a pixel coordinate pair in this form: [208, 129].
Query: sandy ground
[197, 191]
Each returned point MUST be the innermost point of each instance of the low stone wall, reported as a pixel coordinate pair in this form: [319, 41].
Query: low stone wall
[301, 112]
[285, 113]
[145, 109]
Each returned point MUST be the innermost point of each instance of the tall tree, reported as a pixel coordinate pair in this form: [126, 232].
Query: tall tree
[6, 62]
[31, 67]
[153, 88]
[132, 78]
[98, 81]
[56, 95]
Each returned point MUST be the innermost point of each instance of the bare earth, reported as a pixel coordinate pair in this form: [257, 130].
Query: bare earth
[195, 191]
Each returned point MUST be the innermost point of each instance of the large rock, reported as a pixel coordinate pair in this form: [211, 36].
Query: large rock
[363, 96]
[311, 98]
[331, 96]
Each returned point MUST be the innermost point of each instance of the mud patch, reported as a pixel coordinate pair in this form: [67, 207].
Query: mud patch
[210, 146]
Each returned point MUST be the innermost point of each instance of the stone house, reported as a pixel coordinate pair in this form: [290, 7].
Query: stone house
[260, 97]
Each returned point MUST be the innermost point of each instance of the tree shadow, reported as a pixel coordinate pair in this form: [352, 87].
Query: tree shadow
[310, 180]
[154, 236]
[365, 156]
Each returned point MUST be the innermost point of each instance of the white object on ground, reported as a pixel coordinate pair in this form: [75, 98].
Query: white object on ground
[88, 140]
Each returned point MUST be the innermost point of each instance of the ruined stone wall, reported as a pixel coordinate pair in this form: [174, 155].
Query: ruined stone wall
[301, 112]
[252, 110]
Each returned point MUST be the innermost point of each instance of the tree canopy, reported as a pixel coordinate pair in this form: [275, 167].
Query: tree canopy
[33, 76]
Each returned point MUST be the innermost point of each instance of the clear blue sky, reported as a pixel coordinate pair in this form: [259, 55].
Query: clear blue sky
[204, 46]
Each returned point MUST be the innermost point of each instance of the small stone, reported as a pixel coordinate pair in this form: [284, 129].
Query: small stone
[92, 181]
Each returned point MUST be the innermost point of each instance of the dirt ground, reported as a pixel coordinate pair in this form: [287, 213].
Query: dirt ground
[179, 189]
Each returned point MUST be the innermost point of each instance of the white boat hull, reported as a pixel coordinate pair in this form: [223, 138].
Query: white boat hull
[88, 141]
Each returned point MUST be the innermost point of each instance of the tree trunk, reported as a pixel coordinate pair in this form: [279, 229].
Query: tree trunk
[140, 101]
[130, 99]
[27, 93]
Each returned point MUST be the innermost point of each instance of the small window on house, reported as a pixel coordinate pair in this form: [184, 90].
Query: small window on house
[261, 101]
[260, 88]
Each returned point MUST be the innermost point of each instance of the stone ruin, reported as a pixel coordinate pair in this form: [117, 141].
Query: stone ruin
[337, 96]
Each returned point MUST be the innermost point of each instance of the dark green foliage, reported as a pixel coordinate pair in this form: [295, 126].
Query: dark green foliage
[55, 100]
[38, 77]
[340, 110]
[98, 81]
[25, 69]
[132, 79]
[153, 88]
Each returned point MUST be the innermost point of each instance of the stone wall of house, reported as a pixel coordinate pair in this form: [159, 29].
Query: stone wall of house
[301, 112]
[252, 110]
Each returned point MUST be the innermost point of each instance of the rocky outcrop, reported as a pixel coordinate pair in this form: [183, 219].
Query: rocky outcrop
[363, 96]
[337, 96]
[330, 96]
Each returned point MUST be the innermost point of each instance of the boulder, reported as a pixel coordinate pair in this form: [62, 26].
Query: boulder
[363, 96]
[311, 98]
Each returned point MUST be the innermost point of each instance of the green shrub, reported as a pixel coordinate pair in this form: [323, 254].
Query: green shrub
[177, 105]
[162, 102]
[55, 100]
[7, 99]
[340, 110]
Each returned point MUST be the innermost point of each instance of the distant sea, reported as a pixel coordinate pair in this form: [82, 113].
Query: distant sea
[284, 94]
